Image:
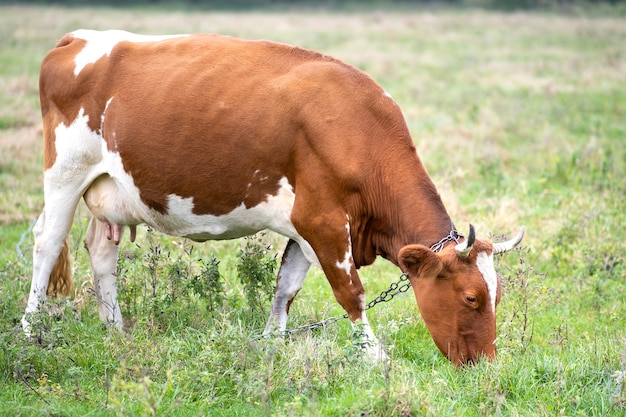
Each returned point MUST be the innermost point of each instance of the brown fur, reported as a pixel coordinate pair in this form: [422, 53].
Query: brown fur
[61, 283]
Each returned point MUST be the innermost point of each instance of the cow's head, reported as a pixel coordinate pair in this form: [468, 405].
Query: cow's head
[457, 292]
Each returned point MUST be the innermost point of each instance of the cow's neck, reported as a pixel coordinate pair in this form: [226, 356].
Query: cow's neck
[409, 210]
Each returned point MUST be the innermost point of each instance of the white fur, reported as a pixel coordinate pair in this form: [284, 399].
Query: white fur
[346, 264]
[100, 43]
[484, 262]
[77, 149]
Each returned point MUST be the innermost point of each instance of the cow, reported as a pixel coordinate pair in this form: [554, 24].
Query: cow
[212, 137]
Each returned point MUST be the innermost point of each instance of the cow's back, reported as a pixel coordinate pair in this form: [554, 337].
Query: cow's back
[193, 116]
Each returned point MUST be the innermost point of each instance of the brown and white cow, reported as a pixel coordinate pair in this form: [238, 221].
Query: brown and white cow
[212, 137]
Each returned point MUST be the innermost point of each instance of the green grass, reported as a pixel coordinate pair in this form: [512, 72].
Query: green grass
[520, 119]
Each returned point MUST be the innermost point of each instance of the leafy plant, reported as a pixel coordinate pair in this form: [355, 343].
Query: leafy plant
[154, 283]
[256, 271]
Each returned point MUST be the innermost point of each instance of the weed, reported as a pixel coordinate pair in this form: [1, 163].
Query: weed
[208, 284]
[525, 298]
[256, 271]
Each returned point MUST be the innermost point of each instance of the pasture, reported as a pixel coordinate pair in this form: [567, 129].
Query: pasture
[519, 118]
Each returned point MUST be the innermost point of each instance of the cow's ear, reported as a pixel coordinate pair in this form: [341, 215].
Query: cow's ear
[419, 261]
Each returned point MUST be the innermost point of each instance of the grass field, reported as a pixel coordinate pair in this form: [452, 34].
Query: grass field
[519, 118]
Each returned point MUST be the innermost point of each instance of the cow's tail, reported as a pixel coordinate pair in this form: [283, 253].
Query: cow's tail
[61, 282]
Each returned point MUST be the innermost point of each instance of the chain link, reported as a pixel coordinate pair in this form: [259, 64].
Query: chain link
[454, 235]
[396, 287]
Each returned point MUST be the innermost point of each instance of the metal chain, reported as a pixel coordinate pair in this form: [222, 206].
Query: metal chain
[386, 295]
[311, 326]
[454, 235]
[397, 287]
[394, 289]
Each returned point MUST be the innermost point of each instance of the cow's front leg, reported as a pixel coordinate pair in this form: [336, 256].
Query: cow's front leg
[103, 253]
[291, 275]
[333, 248]
[369, 342]
[349, 292]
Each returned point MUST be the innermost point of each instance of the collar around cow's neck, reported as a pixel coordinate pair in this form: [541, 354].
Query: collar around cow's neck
[453, 236]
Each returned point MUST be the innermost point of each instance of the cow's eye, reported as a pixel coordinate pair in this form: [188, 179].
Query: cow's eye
[470, 299]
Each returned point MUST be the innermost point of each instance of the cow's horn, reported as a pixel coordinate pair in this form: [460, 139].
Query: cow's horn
[464, 248]
[502, 247]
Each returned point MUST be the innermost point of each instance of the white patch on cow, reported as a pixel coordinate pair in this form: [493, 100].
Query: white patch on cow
[260, 178]
[77, 149]
[106, 106]
[388, 95]
[362, 305]
[102, 119]
[346, 264]
[484, 262]
[100, 43]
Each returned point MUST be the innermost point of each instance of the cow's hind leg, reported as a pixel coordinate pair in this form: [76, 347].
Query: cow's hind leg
[52, 273]
[291, 275]
[103, 253]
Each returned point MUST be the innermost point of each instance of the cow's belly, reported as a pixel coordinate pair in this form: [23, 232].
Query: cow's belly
[112, 202]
